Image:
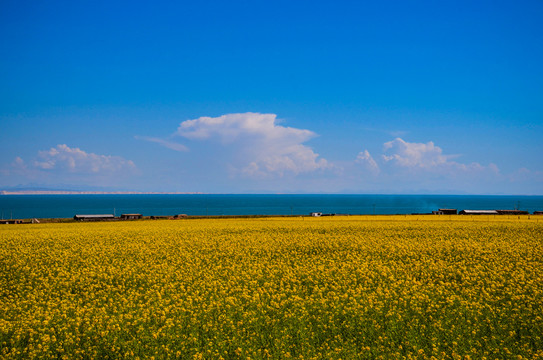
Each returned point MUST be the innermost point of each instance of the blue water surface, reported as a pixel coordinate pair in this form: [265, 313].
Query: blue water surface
[66, 206]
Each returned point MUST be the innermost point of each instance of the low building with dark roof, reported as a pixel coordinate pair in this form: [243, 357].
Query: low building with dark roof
[478, 212]
[94, 217]
[445, 212]
[512, 212]
[131, 216]
[11, 221]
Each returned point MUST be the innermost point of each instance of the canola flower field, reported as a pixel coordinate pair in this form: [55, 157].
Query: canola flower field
[390, 287]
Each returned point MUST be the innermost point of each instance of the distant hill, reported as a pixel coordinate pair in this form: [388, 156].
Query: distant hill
[38, 189]
[69, 192]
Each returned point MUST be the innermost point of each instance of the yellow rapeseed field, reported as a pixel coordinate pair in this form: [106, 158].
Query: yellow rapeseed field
[411, 287]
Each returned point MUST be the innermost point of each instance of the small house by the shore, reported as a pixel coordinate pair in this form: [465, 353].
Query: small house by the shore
[131, 216]
[445, 212]
[11, 221]
[478, 212]
[94, 217]
[512, 212]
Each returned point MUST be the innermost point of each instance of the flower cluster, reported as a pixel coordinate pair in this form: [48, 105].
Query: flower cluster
[273, 288]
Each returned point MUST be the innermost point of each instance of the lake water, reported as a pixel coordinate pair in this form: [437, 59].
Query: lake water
[66, 206]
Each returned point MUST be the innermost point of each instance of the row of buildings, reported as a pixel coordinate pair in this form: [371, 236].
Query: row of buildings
[456, 212]
[95, 217]
[483, 212]
[111, 217]
[107, 217]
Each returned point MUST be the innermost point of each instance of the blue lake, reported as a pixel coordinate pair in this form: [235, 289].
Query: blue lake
[66, 206]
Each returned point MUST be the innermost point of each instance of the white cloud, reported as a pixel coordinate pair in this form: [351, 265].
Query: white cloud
[75, 160]
[19, 164]
[429, 157]
[295, 158]
[523, 174]
[234, 126]
[168, 144]
[414, 154]
[18, 167]
[366, 160]
[264, 147]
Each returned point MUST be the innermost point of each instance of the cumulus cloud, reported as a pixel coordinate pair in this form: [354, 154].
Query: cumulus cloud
[366, 160]
[414, 154]
[429, 157]
[294, 158]
[75, 160]
[234, 126]
[265, 147]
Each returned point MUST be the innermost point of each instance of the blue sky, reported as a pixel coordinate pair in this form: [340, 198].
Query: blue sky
[283, 96]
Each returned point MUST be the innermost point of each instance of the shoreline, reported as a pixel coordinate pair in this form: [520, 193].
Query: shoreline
[434, 217]
[77, 192]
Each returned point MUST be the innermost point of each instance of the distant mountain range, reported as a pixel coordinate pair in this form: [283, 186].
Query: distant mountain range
[38, 189]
